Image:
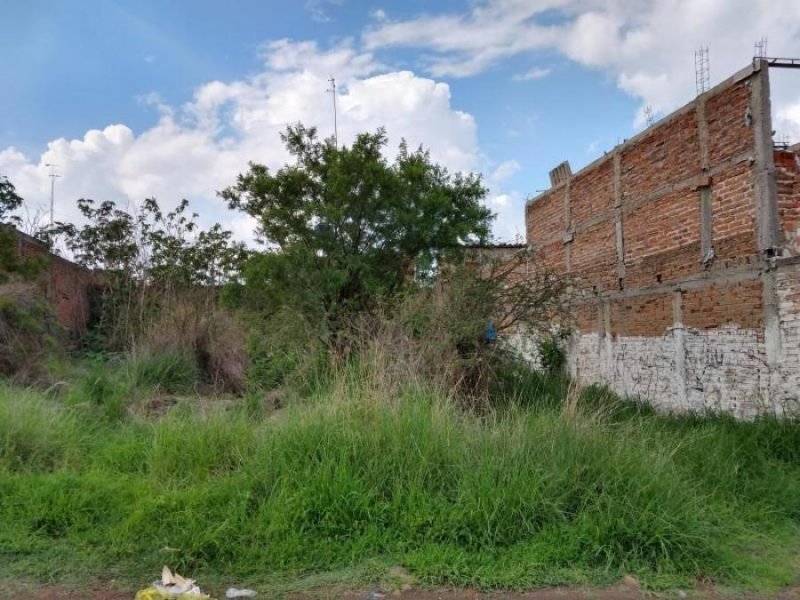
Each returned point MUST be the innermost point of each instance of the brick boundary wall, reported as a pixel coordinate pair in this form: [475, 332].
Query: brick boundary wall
[684, 247]
[68, 285]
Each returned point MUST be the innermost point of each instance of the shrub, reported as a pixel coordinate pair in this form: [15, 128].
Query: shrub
[551, 351]
[195, 327]
[29, 333]
[171, 371]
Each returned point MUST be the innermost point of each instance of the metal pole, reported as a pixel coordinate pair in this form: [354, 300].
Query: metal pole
[52, 196]
[52, 176]
[332, 81]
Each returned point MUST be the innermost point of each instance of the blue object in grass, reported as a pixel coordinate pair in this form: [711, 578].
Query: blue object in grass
[491, 332]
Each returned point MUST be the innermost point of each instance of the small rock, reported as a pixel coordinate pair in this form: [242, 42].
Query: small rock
[631, 581]
[236, 593]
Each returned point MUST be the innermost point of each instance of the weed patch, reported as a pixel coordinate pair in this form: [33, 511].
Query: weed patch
[531, 494]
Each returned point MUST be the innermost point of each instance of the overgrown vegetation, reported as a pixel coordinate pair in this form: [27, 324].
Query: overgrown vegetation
[539, 493]
[346, 395]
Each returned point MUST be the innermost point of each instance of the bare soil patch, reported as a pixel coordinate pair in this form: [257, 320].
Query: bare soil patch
[617, 592]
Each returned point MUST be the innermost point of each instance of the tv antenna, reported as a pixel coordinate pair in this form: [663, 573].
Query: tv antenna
[52, 175]
[701, 70]
[332, 91]
[648, 115]
[760, 50]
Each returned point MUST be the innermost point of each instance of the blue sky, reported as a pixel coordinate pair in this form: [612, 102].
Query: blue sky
[172, 99]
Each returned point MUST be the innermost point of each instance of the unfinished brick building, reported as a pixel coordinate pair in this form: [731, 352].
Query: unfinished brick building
[684, 245]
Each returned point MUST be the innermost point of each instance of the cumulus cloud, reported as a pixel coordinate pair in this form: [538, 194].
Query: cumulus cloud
[503, 171]
[532, 74]
[509, 225]
[633, 40]
[198, 148]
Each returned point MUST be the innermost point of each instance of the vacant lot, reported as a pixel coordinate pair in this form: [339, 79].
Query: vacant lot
[555, 488]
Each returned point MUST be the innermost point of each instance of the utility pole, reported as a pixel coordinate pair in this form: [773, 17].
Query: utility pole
[332, 90]
[52, 177]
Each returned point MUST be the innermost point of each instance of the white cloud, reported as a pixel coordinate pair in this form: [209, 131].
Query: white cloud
[198, 148]
[503, 171]
[317, 9]
[379, 15]
[646, 45]
[532, 74]
[509, 225]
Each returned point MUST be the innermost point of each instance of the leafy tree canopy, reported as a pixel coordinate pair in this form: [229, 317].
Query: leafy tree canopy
[344, 225]
[9, 201]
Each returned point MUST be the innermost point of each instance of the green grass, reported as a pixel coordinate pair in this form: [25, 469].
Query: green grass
[529, 495]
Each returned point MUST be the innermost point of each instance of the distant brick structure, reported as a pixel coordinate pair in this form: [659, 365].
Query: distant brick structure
[684, 245]
[68, 285]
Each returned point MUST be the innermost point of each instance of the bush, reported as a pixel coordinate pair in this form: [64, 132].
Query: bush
[29, 333]
[195, 327]
[551, 351]
[171, 371]
[285, 350]
[439, 334]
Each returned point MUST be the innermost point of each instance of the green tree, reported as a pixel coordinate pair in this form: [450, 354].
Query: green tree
[11, 262]
[9, 201]
[344, 226]
[150, 260]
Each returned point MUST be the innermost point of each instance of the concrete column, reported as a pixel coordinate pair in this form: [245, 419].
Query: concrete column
[702, 131]
[568, 232]
[766, 201]
[618, 215]
[606, 348]
[706, 228]
[679, 333]
[764, 186]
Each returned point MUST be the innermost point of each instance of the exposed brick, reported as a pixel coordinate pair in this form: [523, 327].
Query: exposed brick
[545, 217]
[674, 324]
[68, 284]
[787, 172]
[594, 256]
[738, 304]
[668, 154]
[733, 216]
[642, 315]
[592, 193]
[728, 132]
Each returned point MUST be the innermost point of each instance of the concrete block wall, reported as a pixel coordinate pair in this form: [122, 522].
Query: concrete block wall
[683, 245]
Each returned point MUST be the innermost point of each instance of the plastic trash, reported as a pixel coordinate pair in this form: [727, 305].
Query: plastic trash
[172, 587]
[235, 593]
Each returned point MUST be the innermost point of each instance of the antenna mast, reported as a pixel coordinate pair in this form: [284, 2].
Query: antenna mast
[648, 115]
[52, 177]
[701, 69]
[761, 48]
[332, 90]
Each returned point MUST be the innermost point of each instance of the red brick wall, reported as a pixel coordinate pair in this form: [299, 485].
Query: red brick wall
[592, 193]
[68, 284]
[787, 175]
[641, 315]
[546, 221]
[667, 154]
[594, 256]
[733, 217]
[653, 185]
[717, 305]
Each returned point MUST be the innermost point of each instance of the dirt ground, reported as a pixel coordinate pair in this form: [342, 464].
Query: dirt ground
[618, 592]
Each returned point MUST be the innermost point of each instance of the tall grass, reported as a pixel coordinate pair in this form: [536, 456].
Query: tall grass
[531, 494]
